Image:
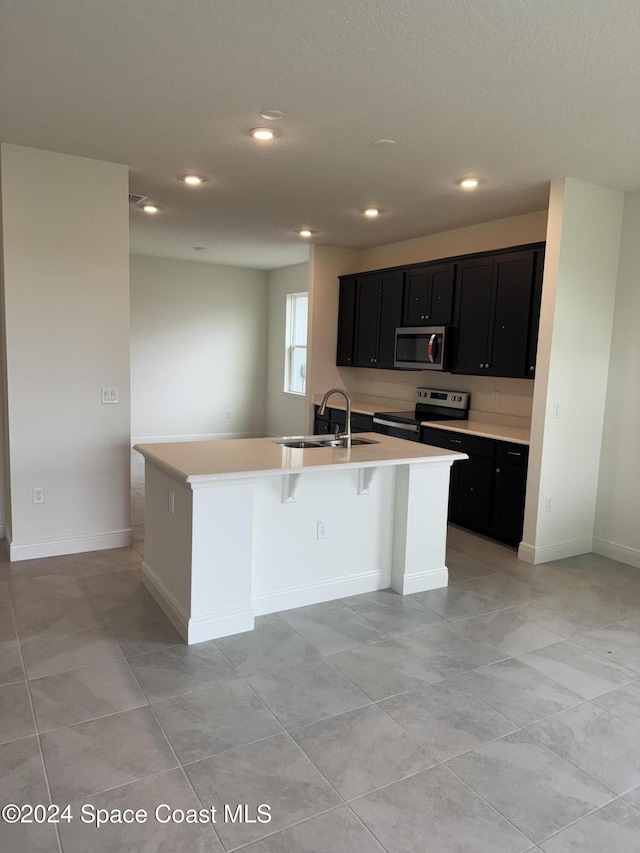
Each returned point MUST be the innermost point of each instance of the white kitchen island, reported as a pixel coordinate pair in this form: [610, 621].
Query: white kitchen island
[231, 527]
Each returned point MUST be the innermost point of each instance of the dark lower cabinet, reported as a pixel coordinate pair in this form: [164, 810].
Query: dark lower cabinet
[487, 491]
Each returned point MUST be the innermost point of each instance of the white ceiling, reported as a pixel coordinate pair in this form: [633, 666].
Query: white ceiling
[516, 92]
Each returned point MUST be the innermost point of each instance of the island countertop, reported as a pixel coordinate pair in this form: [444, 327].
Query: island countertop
[197, 462]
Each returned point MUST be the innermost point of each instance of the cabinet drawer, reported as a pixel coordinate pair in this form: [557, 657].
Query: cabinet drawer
[471, 444]
[514, 454]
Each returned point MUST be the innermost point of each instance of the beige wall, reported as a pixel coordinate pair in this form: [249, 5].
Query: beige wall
[583, 244]
[66, 310]
[285, 412]
[198, 350]
[617, 531]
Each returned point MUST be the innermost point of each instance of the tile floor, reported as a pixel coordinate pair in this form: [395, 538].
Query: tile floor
[499, 715]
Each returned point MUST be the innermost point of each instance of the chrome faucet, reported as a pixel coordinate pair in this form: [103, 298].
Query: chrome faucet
[346, 435]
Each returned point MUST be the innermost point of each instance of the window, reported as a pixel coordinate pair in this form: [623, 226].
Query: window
[295, 370]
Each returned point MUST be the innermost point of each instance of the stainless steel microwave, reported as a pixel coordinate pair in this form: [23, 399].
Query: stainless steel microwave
[421, 348]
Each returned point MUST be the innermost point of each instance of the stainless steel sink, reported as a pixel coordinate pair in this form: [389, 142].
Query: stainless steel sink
[305, 443]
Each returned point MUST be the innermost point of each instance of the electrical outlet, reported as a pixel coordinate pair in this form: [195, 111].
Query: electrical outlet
[496, 396]
[322, 530]
[229, 413]
[547, 505]
[556, 411]
[404, 387]
[172, 501]
[38, 494]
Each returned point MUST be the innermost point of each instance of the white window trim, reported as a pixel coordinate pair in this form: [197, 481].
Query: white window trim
[289, 347]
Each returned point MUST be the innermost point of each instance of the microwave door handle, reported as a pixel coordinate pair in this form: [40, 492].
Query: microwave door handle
[431, 348]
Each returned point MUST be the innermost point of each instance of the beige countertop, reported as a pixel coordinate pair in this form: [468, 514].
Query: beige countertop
[197, 462]
[483, 429]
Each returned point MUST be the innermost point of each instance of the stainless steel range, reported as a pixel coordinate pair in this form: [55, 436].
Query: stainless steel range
[431, 405]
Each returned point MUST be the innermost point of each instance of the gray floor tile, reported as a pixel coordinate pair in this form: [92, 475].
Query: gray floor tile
[614, 827]
[462, 567]
[22, 781]
[610, 603]
[105, 753]
[180, 669]
[384, 669]
[7, 627]
[16, 719]
[27, 569]
[110, 558]
[633, 797]
[532, 786]
[446, 719]
[435, 811]
[501, 590]
[507, 631]
[623, 702]
[332, 627]
[273, 772]
[362, 750]
[140, 627]
[83, 694]
[560, 616]
[519, 692]
[272, 643]
[307, 692]
[63, 649]
[338, 831]
[605, 747]
[391, 612]
[615, 642]
[10, 662]
[170, 788]
[209, 721]
[447, 653]
[578, 669]
[456, 602]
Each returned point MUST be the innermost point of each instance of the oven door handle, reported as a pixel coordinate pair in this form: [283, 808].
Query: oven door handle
[406, 427]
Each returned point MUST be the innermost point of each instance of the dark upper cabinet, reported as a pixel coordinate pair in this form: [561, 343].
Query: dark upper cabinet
[493, 314]
[378, 314]
[534, 318]
[346, 321]
[429, 295]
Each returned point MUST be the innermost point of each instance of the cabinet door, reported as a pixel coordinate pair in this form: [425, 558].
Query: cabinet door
[391, 291]
[346, 321]
[474, 282]
[508, 341]
[367, 321]
[474, 492]
[509, 497]
[429, 295]
[534, 319]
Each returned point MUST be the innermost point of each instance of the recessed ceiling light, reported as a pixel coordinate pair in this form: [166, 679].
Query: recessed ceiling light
[262, 133]
[193, 180]
[469, 183]
[371, 212]
[272, 115]
[305, 232]
[150, 208]
[384, 143]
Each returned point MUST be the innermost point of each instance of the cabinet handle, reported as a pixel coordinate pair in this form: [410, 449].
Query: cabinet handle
[513, 453]
[481, 364]
[532, 367]
[497, 470]
[426, 316]
[487, 365]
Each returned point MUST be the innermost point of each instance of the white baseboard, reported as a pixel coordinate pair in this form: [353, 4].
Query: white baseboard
[204, 436]
[202, 628]
[76, 545]
[530, 554]
[420, 581]
[621, 553]
[316, 592]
